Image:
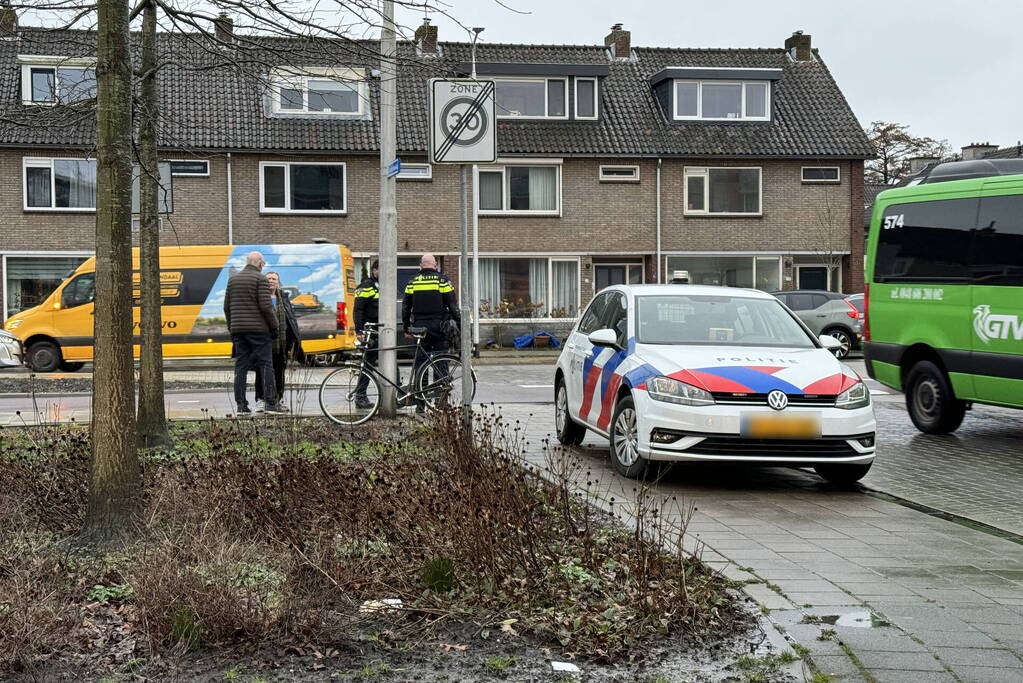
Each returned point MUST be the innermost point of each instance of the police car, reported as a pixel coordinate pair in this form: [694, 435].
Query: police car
[690, 372]
[11, 353]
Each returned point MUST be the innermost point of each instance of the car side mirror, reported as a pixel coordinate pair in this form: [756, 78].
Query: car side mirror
[604, 337]
[830, 343]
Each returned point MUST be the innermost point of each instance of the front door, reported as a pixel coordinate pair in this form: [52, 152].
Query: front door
[812, 277]
[607, 274]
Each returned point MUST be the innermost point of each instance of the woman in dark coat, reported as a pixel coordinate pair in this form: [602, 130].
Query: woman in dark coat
[288, 343]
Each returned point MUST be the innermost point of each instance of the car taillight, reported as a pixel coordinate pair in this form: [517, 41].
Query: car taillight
[866, 312]
[342, 316]
[853, 312]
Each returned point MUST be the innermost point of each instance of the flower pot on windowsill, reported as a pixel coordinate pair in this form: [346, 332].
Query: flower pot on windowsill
[541, 341]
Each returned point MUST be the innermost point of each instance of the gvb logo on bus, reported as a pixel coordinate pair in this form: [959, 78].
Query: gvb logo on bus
[988, 325]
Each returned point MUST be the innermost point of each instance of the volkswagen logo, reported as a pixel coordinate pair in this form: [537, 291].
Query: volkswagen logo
[777, 400]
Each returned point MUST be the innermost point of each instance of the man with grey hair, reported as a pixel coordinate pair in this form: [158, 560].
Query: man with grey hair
[253, 327]
[429, 302]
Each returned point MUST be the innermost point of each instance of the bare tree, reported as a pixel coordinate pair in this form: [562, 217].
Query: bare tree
[895, 146]
[828, 236]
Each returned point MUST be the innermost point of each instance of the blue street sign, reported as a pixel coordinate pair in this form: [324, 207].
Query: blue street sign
[394, 168]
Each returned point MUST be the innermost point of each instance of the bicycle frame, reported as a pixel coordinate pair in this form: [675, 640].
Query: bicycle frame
[372, 369]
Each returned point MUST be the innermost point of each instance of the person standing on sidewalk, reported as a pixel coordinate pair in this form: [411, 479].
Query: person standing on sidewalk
[429, 302]
[253, 326]
[367, 310]
[287, 344]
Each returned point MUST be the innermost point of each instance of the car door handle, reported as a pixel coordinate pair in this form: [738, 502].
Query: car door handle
[822, 315]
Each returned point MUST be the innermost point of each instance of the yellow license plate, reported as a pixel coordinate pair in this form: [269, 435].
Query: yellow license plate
[766, 426]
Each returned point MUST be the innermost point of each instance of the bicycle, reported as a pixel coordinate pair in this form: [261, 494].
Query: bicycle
[435, 384]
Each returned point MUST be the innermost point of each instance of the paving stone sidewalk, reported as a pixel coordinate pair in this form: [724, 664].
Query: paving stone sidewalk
[874, 590]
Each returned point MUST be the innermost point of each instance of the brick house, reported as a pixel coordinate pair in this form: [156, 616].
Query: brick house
[616, 163]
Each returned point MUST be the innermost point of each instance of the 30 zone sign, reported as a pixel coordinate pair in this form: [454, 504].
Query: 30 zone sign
[462, 124]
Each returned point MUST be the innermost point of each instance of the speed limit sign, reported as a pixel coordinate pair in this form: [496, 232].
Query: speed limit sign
[462, 124]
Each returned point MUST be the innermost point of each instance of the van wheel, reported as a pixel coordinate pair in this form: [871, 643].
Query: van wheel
[44, 356]
[569, 432]
[625, 441]
[68, 366]
[931, 403]
[844, 338]
[843, 475]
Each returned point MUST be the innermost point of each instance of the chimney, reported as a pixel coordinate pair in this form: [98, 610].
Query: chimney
[619, 41]
[917, 164]
[8, 21]
[978, 150]
[426, 38]
[798, 46]
[223, 28]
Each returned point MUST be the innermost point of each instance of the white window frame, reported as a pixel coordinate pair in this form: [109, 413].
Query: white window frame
[286, 165]
[749, 254]
[596, 99]
[190, 161]
[298, 79]
[47, 162]
[834, 274]
[426, 176]
[699, 99]
[550, 284]
[505, 192]
[29, 62]
[546, 94]
[623, 264]
[634, 178]
[813, 181]
[704, 172]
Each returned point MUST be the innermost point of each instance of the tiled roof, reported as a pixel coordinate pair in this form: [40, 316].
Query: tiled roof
[1006, 152]
[208, 104]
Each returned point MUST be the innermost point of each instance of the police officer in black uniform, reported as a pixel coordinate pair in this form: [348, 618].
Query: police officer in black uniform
[429, 302]
[367, 310]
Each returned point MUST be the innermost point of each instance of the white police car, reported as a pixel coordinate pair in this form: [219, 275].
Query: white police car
[688, 372]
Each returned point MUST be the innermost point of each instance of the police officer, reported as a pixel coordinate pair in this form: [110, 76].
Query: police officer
[429, 302]
[367, 310]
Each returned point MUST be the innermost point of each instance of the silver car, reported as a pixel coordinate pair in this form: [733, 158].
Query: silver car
[12, 354]
[827, 313]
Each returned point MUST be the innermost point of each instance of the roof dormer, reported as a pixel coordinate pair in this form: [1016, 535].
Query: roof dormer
[715, 93]
[545, 91]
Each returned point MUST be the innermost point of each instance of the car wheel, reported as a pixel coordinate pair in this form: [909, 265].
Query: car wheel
[844, 338]
[44, 356]
[842, 474]
[931, 403]
[68, 366]
[625, 441]
[569, 432]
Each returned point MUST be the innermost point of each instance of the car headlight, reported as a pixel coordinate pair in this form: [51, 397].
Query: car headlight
[13, 324]
[674, 391]
[856, 396]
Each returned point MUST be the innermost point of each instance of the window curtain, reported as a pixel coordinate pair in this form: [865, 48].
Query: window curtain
[491, 192]
[538, 284]
[76, 183]
[565, 289]
[543, 185]
[490, 287]
[38, 186]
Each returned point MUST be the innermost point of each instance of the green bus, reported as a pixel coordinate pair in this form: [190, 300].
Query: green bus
[944, 291]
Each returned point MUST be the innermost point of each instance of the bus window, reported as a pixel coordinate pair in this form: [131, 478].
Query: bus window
[998, 248]
[925, 241]
[79, 291]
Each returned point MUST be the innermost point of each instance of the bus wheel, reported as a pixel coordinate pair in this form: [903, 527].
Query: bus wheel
[931, 403]
[44, 356]
[68, 366]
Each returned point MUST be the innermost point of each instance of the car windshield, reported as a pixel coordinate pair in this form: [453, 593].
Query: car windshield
[717, 320]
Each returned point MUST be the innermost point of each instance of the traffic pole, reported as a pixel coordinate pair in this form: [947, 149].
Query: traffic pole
[464, 298]
[388, 237]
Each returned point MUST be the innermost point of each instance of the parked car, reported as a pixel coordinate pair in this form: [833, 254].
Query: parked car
[828, 313]
[697, 373]
[12, 354]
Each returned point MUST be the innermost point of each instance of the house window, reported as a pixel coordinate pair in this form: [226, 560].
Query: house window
[723, 100]
[59, 184]
[760, 272]
[529, 288]
[821, 174]
[619, 174]
[28, 280]
[57, 80]
[319, 92]
[608, 274]
[586, 98]
[723, 191]
[520, 189]
[189, 167]
[302, 187]
[532, 98]
[415, 172]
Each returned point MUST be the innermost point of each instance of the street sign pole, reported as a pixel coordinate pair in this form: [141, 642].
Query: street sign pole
[464, 297]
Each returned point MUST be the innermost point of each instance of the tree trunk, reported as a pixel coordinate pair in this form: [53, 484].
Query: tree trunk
[115, 479]
[152, 424]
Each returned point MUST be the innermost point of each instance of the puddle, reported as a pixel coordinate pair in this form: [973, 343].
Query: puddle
[858, 619]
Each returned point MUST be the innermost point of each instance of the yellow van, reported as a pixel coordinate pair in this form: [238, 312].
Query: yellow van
[57, 334]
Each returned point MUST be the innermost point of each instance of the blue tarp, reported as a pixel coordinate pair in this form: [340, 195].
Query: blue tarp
[526, 340]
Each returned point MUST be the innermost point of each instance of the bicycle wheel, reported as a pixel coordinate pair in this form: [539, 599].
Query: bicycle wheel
[343, 401]
[439, 382]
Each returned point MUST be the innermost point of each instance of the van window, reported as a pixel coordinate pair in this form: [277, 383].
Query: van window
[79, 291]
[925, 241]
[998, 247]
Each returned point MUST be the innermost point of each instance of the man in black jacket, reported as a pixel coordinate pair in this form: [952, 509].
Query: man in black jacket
[253, 327]
[367, 310]
[429, 302]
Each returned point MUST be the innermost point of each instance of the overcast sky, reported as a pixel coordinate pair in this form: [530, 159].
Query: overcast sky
[947, 68]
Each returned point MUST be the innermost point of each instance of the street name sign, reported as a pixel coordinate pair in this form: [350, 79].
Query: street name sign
[462, 121]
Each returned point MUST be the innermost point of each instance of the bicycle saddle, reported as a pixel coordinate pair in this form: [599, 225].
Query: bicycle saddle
[417, 330]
